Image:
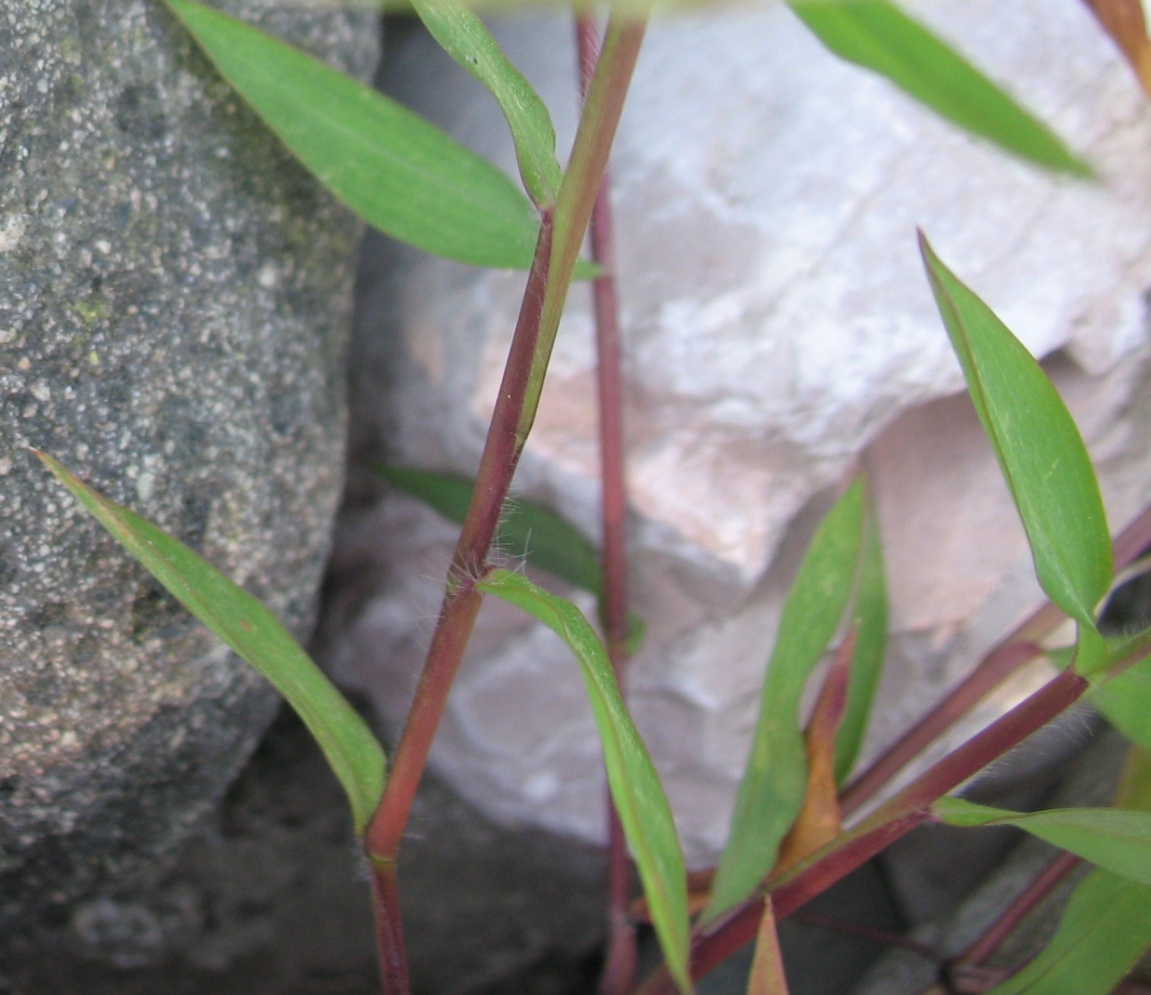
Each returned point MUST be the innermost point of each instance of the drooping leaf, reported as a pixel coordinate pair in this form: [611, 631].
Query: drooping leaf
[879, 36]
[635, 786]
[1104, 929]
[869, 612]
[1039, 449]
[767, 976]
[530, 530]
[1117, 840]
[391, 167]
[771, 792]
[820, 819]
[250, 629]
[463, 36]
[1126, 23]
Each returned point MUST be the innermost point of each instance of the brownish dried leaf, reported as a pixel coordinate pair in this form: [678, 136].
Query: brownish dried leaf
[820, 820]
[766, 976]
[1124, 21]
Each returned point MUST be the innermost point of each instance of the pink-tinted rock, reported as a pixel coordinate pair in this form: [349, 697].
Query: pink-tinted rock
[780, 333]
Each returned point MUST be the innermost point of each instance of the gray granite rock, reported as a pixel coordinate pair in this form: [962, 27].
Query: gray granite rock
[174, 293]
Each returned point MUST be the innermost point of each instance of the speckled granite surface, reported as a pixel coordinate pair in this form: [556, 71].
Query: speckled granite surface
[174, 295]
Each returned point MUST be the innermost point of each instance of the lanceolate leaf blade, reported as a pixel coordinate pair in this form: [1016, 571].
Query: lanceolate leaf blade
[1039, 448]
[771, 793]
[1117, 840]
[1126, 23]
[391, 167]
[635, 786]
[1104, 929]
[877, 35]
[463, 36]
[250, 629]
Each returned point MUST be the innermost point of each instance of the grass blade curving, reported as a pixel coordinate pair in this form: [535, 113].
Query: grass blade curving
[463, 36]
[1039, 449]
[635, 786]
[391, 167]
[1126, 22]
[771, 793]
[877, 35]
[250, 629]
[1118, 841]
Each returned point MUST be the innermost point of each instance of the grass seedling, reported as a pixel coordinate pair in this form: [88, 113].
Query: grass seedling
[797, 827]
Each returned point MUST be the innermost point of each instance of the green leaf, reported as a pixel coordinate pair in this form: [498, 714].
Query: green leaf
[771, 793]
[463, 36]
[391, 167]
[1039, 448]
[870, 610]
[530, 530]
[250, 629]
[877, 35]
[1117, 840]
[635, 786]
[1104, 929]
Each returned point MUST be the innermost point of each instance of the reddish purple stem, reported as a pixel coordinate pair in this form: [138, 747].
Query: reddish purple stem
[620, 958]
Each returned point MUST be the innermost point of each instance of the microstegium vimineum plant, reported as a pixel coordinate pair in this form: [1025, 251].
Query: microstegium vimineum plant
[787, 841]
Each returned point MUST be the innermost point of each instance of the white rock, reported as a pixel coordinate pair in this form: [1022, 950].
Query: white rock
[779, 333]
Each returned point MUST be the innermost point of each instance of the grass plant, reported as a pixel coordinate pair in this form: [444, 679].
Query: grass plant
[797, 827]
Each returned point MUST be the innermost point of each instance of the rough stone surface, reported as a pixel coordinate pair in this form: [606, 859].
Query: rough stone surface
[779, 333]
[174, 293]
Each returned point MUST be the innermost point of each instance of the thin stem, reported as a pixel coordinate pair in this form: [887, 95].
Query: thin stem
[1004, 660]
[557, 250]
[1012, 653]
[1024, 904]
[581, 185]
[868, 933]
[622, 954]
[618, 975]
[389, 929]
[562, 233]
[461, 600]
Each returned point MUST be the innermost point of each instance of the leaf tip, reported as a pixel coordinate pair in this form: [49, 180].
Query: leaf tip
[53, 465]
